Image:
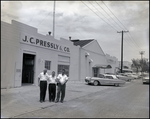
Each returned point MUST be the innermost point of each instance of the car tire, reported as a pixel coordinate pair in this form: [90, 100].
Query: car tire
[116, 84]
[95, 83]
[129, 80]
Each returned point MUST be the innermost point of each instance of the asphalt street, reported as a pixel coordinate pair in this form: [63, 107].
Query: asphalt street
[86, 101]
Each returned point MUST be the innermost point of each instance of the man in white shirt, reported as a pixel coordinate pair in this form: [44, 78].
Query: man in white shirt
[61, 80]
[42, 80]
[52, 87]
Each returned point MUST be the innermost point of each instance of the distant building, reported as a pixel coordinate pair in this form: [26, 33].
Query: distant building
[113, 61]
[126, 67]
[126, 64]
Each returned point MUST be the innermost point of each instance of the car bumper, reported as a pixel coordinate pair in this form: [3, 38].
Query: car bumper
[145, 81]
[89, 81]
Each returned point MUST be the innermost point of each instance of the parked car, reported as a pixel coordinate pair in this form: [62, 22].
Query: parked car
[122, 76]
[125, 78]
[125, 74]
[142, 75]
[145, 79]
[104, 79]
[132, 75]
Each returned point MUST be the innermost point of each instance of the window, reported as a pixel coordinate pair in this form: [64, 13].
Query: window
[109, 77]
[47, 65]
[101, 76]
[66, 67]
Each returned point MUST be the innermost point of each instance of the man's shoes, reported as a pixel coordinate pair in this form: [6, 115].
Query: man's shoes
[49, 100]
[41, 101]
[61, 101]
[56, 101]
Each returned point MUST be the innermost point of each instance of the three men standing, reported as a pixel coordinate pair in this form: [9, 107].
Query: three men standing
[61, 81]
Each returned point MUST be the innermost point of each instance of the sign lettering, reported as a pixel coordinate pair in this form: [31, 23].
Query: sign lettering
[46, 44]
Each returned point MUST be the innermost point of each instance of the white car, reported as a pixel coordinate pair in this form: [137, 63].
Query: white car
[132, 75]
[104, 79]
[145, 79]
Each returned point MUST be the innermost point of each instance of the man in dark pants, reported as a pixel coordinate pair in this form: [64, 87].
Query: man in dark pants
[52, 87]
[42, 80]
[62, 80]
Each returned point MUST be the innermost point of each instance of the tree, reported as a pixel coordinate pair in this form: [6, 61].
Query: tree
[141, 63]
[136, 64]
[144, 65]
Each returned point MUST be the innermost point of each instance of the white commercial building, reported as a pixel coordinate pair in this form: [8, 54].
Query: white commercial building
[25, 53]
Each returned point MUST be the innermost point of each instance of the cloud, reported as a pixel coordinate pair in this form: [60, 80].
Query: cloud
[75, 19]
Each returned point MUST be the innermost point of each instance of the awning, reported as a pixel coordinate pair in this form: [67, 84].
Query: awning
[102, 66]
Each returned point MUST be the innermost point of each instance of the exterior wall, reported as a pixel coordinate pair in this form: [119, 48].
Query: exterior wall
[9, 50]
[113, 61]
[96, 54]
[74, 59]
[13, 46]
[125, 63]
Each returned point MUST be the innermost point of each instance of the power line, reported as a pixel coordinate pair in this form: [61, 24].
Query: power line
[98, 10]
[127, 41]
[133, 40]
[114, 15]
[43, 19]
[111, 17]
[121, 23]
[99, 16]
[32, 16]
[108, 14]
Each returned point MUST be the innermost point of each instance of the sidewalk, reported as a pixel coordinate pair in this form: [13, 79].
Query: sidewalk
[16, 101]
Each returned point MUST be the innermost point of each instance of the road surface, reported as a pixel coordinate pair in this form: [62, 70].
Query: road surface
[128, 101]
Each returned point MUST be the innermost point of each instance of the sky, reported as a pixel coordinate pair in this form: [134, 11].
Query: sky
[83, 20]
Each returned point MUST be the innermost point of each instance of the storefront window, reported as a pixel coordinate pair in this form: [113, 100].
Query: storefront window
[47, 65]
[66, 67]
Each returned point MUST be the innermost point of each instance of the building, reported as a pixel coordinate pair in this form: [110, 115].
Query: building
[91, 58]
[113, 62]
[25, 53]
[126, 67]
[126, 64]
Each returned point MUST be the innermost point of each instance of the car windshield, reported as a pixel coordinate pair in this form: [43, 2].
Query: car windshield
[111, 77]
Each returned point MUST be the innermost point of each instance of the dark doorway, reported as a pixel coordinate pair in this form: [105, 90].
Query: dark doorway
[28, 69]
[95, 72]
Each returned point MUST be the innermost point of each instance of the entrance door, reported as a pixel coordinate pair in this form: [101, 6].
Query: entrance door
[28, 69]
[95, 72]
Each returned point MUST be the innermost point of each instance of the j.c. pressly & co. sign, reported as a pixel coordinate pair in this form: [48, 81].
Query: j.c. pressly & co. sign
[28, 39]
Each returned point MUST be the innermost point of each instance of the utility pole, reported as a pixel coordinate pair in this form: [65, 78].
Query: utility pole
[141, 53]
[122, 48]
[54, 20]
